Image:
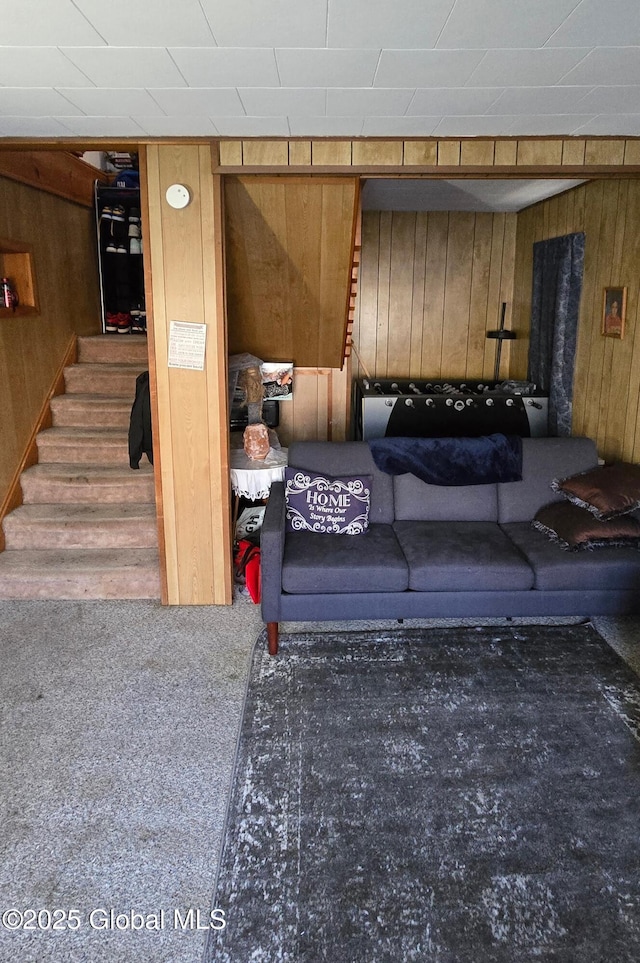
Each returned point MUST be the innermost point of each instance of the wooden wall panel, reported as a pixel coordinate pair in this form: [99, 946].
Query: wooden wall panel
[61, 236]
[431, 285]
[370, 155]
[607, 377]
[320, 407]
[289, 245]
[187, 284]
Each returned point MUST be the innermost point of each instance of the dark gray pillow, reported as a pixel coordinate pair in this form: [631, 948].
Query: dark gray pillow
[606, 492]
[328, 504]
[573, 528]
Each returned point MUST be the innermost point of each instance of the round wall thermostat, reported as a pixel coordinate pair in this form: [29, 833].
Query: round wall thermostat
[178, 196]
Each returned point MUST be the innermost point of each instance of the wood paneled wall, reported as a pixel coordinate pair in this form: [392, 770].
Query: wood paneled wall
[431, 286]
[61, 236]
[289, 246]
[607, 377]
[428, 154]
[320, 407]
[185, 276]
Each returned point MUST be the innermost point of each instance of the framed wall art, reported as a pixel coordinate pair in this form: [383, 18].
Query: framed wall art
[614, 309]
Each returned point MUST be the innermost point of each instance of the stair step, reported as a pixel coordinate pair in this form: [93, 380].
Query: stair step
[89, 446]
[103, 379]
[112, 348]
[87, 483]
[90, 411]
[80, 573]
[81, 526]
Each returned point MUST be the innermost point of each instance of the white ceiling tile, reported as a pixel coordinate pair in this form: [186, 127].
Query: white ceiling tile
[38, 67]
[454, 100]
[189, 126]
[347, 102]
[607, 66]
[101, 126]
[251, 23]
[517, 23]
[34, 102]
[399, 126]
[538, 100]
[622, 124]
[377, 23]
[251, 126]
[389, 194]
[227, 67]
[456, 195]
[547, 124]
[426, 68]
[116, 102]
[126, 66]
[525, 68]
[209, 102]
[616, 22]
[327, 68]
[611, 100]
[282, 101]
[474, 126]
[325, 126]
[154, 23]
[56, 22]
[31, 127]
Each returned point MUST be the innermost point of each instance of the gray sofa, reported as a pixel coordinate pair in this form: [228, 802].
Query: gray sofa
[440, 552]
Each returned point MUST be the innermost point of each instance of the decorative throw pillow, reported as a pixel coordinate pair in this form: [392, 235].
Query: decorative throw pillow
[338, 505]
[606, 492]
[576, 528]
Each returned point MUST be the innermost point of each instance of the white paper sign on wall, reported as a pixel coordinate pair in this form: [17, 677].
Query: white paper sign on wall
[187, 342]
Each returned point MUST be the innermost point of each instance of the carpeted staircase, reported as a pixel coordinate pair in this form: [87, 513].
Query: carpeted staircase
[87, 525]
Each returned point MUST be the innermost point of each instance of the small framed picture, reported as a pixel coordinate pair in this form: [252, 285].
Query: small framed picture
[614, 310]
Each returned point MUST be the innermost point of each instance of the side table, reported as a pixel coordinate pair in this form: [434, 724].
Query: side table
[252, 479]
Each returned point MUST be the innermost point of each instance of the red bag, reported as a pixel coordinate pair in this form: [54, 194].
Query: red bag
[246, 563]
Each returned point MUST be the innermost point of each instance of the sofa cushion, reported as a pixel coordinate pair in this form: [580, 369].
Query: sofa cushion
[415, 499]
[462, 556]
[335, 505]
[347, 458]
[373, 562]
[543, 460]
[556, 569]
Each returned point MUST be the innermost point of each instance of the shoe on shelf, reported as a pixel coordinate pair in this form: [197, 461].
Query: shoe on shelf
[106, 213]
[121, 248]
[111, 247]
[123, 322]
[111, 322]
[118, 213]
[136, 321]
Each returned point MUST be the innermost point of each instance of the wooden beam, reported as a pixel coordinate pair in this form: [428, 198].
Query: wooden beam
[55, 172]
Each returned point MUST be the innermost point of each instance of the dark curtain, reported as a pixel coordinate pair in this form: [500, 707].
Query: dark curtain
[557, 283]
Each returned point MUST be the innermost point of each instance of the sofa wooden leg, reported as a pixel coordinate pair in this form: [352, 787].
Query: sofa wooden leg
[272, 637]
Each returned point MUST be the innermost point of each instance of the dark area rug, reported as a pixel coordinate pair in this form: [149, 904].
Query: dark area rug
[459, 795]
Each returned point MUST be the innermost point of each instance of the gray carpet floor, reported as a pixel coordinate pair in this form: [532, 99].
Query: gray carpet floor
[118, 728]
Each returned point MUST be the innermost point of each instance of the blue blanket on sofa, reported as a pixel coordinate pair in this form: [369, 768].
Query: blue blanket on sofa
[451, 461]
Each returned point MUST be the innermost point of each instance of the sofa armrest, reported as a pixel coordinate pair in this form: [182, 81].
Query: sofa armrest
[272, 535]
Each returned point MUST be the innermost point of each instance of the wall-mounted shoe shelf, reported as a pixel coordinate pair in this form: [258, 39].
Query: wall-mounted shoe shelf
[16, 263]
